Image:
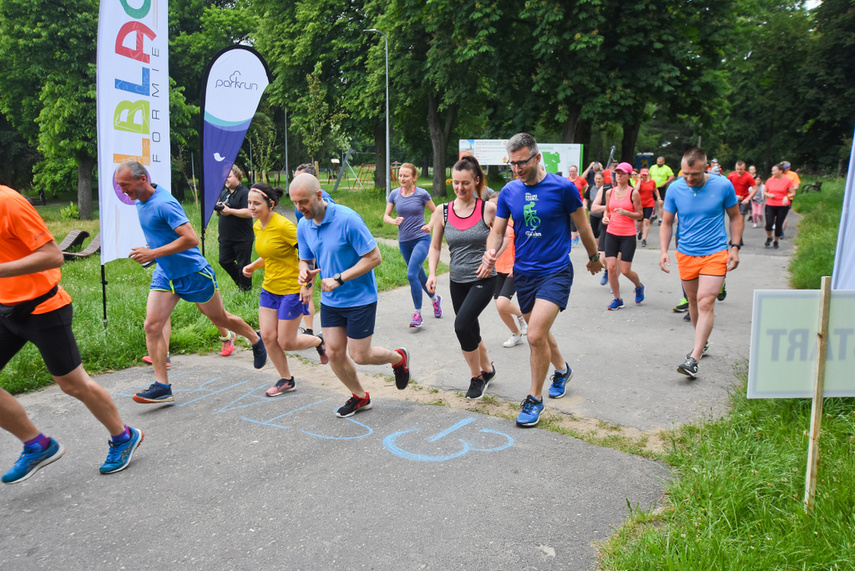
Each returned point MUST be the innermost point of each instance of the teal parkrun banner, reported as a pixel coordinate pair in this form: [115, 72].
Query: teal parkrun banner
[133, 112]
[233, 85]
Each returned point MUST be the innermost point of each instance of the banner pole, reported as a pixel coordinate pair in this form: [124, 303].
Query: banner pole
[818, 391]
[104, 292]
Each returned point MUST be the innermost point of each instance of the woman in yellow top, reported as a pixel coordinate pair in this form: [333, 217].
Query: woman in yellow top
[280, 308]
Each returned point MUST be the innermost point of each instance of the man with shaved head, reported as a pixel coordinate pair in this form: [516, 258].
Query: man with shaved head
[345, 254]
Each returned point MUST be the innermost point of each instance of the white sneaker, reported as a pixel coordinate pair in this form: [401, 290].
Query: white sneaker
[523, 325]
[755, 225]
[513, 340]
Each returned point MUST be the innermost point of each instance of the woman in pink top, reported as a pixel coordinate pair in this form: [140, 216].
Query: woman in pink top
[623, 208]
[779, 193]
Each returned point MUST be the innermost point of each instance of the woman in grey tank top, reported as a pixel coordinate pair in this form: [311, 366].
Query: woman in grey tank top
[465, 222]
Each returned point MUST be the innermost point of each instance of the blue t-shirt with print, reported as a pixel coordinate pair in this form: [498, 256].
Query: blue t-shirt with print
[541, 216]
[159, 216]
[700, 214]
[337, 244]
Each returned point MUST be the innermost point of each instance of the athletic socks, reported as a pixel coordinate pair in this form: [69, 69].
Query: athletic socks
[37, 444]
[563, 371]
[123, 437]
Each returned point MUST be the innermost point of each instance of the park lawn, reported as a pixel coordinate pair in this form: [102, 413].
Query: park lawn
[120, 343]
[735, 501]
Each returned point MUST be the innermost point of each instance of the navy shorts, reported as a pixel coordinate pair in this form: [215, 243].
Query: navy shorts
[553, 287]
[358, 321]
[199, 287]
[287, 306]
[51, 334]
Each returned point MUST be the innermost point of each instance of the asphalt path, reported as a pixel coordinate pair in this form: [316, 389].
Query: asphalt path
[229, 479]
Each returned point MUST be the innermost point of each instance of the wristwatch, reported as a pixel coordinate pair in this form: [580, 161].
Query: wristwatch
[339, 279]
[595, 257]
[737, 246]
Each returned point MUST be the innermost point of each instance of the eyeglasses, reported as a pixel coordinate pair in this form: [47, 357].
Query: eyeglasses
[520, 164]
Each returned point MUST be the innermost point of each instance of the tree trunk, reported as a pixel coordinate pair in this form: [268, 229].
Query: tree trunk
[627, 144]
[380, 155]
[84, 186]
[569, 129]
[425, 165]
[440, 130]
[583, 137]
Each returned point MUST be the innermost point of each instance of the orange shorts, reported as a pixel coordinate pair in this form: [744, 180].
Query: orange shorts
[693, 266]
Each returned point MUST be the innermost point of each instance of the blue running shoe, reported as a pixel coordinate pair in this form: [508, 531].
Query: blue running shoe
[616, 304]
[30, 461]
[155, 394]
[120, 455]
[559, 383]
[605, 279]
[259, 353]
[530, 413]
[639, 294]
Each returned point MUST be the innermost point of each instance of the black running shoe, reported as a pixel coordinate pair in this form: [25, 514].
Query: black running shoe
[477, 388]
[353, 405]
[402, 369]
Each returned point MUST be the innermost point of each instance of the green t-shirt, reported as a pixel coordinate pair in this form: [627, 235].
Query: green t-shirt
[660, 174]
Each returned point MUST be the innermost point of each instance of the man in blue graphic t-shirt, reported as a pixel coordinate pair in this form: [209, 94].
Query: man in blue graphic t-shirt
[542, 205]
[181, 273]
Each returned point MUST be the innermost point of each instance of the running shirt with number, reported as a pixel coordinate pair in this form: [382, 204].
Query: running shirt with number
[620, 224]
[541, 214]
[277, 244]
[467, 242]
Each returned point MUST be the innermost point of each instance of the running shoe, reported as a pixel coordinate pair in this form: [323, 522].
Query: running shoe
[259, 353]
[281, 387]
[768, 242]
[477, 388]
[616, 304]
[689, 368]
[639, 294]
[576, 241]
[120, 455]
[353, 405]
[523, 325]
[643, 243]
[530, 413]
[147, 360]
[703, 353]
[639, 236]
[687, 317]
[775, 244]
[559, 383]
[488, 377]
[755, 225]
[417, 320]
[723, 292]
[514, 340]
[605, 279]
[228, 344]
[31, 460]
[322, 350]
[682, 307]
[155, 394]
[437, 306]
[402, 369]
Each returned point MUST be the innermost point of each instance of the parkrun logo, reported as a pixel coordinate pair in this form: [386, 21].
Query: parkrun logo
[234, 82]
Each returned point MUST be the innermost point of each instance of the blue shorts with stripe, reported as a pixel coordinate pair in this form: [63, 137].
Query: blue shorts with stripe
[198, 287]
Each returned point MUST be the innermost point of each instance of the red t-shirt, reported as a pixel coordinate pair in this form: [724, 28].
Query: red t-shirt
[580, 183]
[607, 176]
[776, 191]
[741, 184]
[645, 190]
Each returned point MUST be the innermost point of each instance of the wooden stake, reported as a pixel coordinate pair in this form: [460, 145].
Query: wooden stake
[818, 391]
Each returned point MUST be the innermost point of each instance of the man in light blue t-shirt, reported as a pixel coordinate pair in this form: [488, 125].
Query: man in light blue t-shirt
[542, 206]
[345, 254]
[181, 273]
[700, 201]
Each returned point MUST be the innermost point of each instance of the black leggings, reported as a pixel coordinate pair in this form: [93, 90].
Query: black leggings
[469, 300]
[776, 215]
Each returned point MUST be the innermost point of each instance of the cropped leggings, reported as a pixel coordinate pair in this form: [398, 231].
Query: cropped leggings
[415, 253]
[775, 215]
[469, 300]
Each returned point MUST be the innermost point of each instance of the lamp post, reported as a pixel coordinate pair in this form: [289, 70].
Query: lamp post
[388, 159]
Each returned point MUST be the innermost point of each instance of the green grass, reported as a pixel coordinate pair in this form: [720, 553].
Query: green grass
[121, 343]
[817, 237]
[736, 497]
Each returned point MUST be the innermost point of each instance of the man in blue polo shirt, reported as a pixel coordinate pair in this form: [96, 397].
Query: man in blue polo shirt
[345, 252]
[542, 206]
[181, 273]
[700, 201]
